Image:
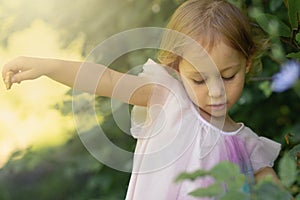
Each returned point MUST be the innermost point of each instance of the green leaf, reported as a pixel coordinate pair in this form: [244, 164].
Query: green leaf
[294, 55]
[275, 4]
[191, 176]
[225, 171]
[265, 88]
[236, 183]
[272, 25]
[237, 3]
[270, 191]
[210, 191]
[296, 88]
[287, 170]
[294, 151]
[298, 37]
[234, 195]
[297, 197]
[230, 174]
[294, 13]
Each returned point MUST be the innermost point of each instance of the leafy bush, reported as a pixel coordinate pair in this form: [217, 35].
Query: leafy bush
[227, 175]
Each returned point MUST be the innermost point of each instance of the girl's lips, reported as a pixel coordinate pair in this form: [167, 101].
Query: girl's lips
[218, 106]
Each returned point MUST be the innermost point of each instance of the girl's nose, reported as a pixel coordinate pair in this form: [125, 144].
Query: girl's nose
[216, 88]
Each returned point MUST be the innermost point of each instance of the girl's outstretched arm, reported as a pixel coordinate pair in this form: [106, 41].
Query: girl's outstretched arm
[135, 90]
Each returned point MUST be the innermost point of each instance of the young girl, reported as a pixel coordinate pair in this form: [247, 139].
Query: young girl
[181, 122]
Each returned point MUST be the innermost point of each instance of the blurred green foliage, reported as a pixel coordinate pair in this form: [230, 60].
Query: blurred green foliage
[229, 174]
[70, 172]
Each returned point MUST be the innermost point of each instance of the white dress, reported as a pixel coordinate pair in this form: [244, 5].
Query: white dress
[172, 138]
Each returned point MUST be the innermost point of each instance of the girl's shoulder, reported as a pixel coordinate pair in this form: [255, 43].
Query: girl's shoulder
[170, 91]
[150, 67]
[169, 105]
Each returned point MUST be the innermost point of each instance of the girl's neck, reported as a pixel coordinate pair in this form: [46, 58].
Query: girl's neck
[224, 123]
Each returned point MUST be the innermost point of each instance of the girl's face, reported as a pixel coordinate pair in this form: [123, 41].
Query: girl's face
[217, 81]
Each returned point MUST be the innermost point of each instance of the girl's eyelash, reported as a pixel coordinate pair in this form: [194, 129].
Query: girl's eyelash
[199, 82]
[203, 81]
[229, 78]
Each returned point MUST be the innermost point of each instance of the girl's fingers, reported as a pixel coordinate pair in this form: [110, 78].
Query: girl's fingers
[15, 72]
[7, 80]
[13, 65]
[20, 69]
[12, 77]
[22, 76]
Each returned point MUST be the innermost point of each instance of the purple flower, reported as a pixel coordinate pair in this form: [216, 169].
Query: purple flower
[288, 75]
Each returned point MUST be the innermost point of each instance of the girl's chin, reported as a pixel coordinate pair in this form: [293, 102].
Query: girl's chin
[213, 115]
[218, 114]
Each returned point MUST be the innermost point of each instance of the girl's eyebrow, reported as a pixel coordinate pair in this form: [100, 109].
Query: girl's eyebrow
[197, 74]
[231, 66]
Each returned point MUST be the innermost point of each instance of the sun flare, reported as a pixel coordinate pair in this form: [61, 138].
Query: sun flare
[27, 116]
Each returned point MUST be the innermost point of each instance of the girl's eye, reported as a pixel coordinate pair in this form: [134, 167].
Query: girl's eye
[228, 78]
[199, 82]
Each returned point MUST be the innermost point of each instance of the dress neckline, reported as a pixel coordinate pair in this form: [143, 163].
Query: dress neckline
[209, 125]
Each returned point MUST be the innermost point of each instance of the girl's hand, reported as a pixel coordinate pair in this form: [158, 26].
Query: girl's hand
[23, 68]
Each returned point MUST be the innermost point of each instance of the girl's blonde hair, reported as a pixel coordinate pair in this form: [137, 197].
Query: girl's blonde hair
[208, 22]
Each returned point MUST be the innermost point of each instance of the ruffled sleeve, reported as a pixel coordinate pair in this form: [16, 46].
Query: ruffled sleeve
[168, 89]
[262, 151]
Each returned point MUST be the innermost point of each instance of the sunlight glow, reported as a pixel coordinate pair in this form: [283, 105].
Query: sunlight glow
[27, 116]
